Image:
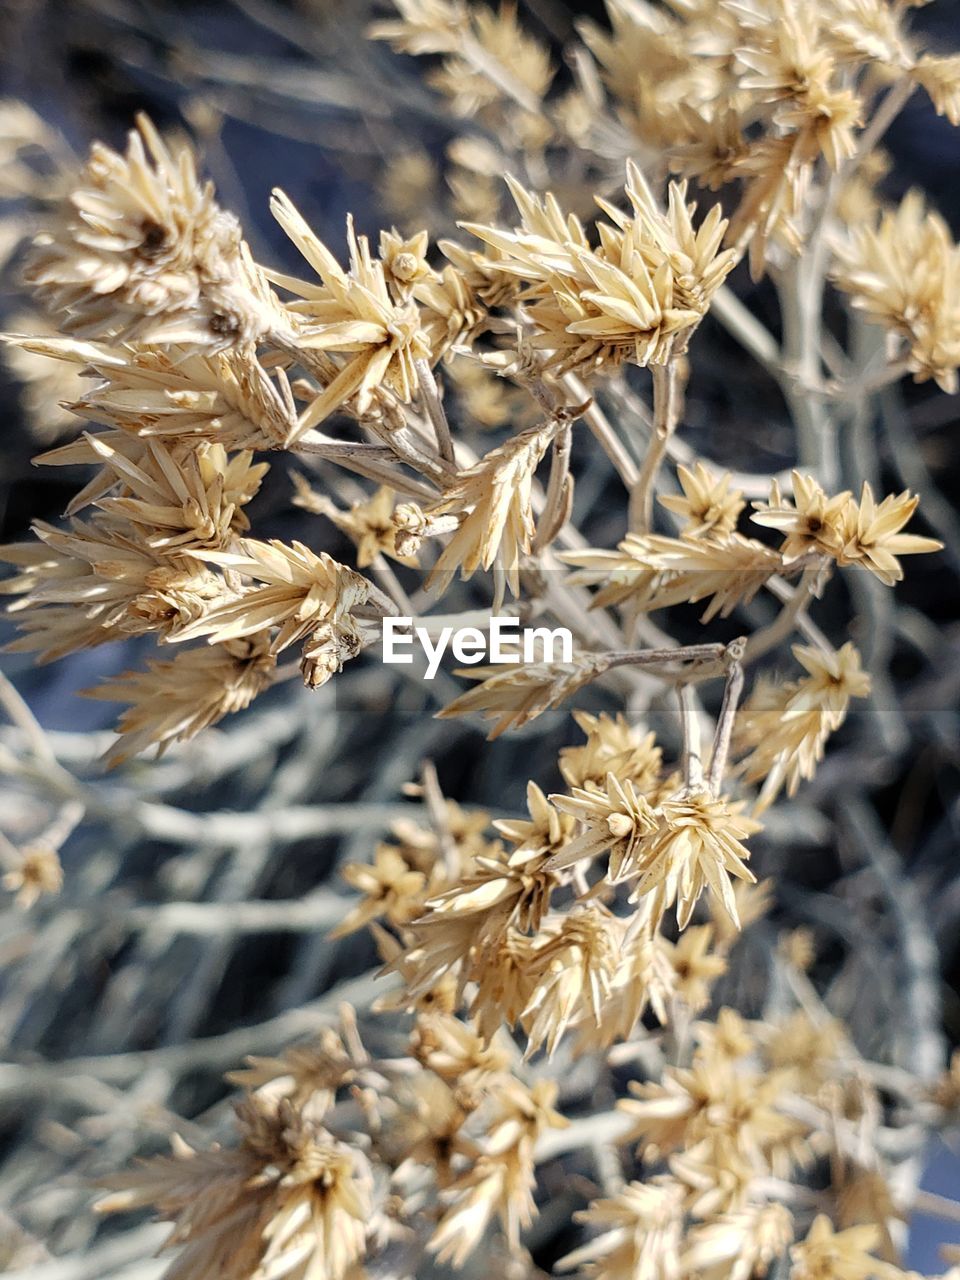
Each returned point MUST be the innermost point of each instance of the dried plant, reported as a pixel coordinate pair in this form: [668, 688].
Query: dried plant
[589, 935]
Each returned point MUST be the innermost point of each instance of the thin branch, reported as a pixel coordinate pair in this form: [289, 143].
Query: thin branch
[604, 432]
[728, 710]
[690, 730]
[787, 620]
[556, 506]
[430, 394]
[666, 408]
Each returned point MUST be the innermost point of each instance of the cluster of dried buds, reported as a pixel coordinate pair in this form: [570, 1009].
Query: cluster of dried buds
[558, 926]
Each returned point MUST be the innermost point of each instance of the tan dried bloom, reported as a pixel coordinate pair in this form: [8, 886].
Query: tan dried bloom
[941, 79]
[849, 532]
[544, 832]
[405, 259]
[515, 695]
[501, 1179]
[290, 1200]
[572, 973]
[876, 542]
[904, 272]
[695, 966]
[177, 499]
[650, 572]
[90, 584]
[739, 1245]
[45, 387]
[370, 523]
[784, 727]
[811, 523]
[497, 526]
[696, 844]
[810, 1049]
[726, 1105]
[787, 64]
[390, 888]
[148, 254]
[707, 505]
[826, 1254]
[641, 1234]
[352, 315]
[451, 312]
[38, 872]
[408, 181]
[502, 50]
[173, 701]
[458, 1055]
[643, 978]
[309, 1073]
[617, 819]
[613, 746]
[226, 397]
[303, 596]
[424, 26]
[636, 298]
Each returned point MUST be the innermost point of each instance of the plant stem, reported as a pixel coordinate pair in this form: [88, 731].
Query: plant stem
[690, 730]
[665, 413]
[430, 393]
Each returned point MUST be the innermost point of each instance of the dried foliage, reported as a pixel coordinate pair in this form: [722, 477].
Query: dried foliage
[731, 1125]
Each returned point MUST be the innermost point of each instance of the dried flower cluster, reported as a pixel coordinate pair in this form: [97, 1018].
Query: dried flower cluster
[597, 926]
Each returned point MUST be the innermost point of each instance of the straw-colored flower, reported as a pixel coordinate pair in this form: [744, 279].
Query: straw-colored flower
[617, 819]
[299, 592]
[708, 504]
[290, 1200]
[648, 572]
[174, 498]
[696, 844]
[148, 254]
[615, 746]
[784, 727]
[641, 1234]
[826, 1254]
[496, 525]
[38, 872]
[515, 695]
[173, 701]
[352, 317]
[903, 272]
[225, 397]
[636, 298]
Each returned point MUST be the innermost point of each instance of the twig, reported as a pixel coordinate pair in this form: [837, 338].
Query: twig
[21, 715]
[728, 710]
[430, 394]
[604, 432]
[787, 620]
[556, 506]
[666, 394]
[921, 1044]
[690, 730]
